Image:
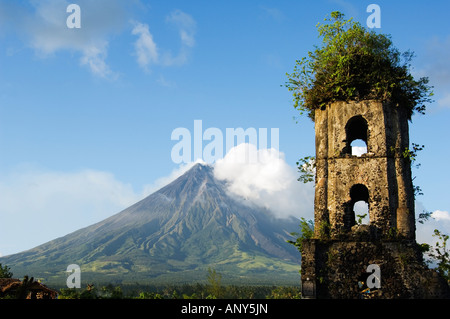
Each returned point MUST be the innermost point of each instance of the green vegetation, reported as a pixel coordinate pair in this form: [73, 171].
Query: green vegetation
[360, 218]
[5, 272]
[215, 287]
[187, 291]
[307, 169]
[92, 292]
[306, 232]
[439, 254]
[212, 289]
[354, 63]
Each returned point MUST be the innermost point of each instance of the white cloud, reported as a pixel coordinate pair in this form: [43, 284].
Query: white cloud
[39, 205]
[65, 192]
[186, 25]
[268, 182]
[440, 215]
[145, 47]
[43, 26]
[147, 51]
[94, 57]
[359, 150]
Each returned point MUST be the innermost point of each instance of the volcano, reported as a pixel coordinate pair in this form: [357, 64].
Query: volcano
[173, 236]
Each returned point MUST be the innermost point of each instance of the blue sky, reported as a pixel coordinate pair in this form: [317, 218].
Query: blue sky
[86, 115]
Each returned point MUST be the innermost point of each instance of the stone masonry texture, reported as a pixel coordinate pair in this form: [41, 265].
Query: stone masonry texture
[335, 261]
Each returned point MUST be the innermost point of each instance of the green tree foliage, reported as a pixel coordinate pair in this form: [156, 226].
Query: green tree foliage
[90, 292]
[111, 292]
[441, 254]
[307, 169]
[306, 232]
[186, 291]
[5, 272]
[285, 293]
[215, 288]
[354, 63]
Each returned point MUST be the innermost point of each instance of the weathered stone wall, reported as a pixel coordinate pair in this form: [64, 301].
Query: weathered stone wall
[383, 171]
[335, 261]
[338, 270]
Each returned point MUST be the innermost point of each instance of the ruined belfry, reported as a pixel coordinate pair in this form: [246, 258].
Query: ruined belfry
[381, 177]
[377, 258]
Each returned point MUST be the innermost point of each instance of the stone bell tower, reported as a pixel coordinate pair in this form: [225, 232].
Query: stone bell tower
[335, 261]
[381, 177]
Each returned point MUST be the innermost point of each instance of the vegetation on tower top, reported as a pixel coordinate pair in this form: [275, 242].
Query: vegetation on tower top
[355, 63]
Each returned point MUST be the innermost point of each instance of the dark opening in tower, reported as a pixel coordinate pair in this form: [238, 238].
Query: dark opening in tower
[356, 136]
[359, 195]
[357, 209]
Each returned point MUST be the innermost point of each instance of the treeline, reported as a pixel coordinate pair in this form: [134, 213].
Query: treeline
[212, 289]
[186, 291]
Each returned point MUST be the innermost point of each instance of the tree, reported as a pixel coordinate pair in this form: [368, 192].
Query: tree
[24, 288]
[440, 253]
[354, 63]
[306, 232]
[215, 288]
[5, 272]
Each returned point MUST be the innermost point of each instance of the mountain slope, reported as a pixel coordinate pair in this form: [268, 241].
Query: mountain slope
[173, 235]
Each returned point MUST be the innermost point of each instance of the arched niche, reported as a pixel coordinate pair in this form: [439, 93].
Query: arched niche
[356, 131]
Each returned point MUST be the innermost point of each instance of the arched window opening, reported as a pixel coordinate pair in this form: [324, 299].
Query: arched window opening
[359, 147]
[356, 132]
[359, 195]
[356, 211]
